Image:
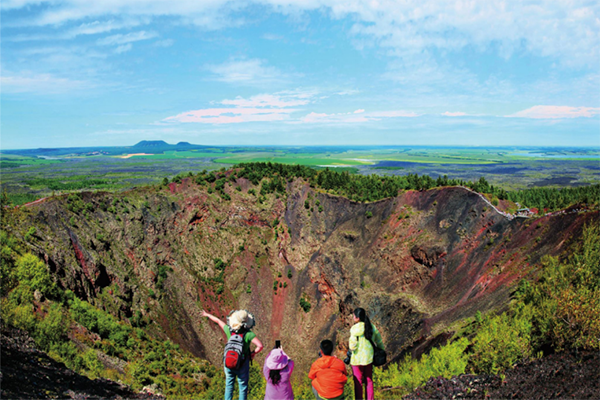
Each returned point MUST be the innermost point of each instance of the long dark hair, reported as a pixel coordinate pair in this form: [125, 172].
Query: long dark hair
[362, 316]
[275, 376]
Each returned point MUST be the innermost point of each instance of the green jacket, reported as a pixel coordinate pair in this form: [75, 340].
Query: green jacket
[362, 351]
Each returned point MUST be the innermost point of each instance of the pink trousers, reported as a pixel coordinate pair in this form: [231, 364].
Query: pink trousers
[363, 375]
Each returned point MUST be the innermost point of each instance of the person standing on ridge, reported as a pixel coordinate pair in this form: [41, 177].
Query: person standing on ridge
[239, 325]
[328, 374]
[362, 334]
[277, 371]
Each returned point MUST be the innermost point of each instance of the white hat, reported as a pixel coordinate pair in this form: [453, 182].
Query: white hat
[240, 319]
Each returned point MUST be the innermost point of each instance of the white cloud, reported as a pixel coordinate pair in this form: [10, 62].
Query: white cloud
[87, 28]
[348, 92]
[124, 48]
[164, 43]
[121, 39]
[358, 116]
[15, 4]
[38, 83]
[566, 30]
[97, 27]
[454, 114]
[557, 112]
[250, 72]
[263, 107]
[208, 14]
[231, 115]
[393, 114]
[268, 100]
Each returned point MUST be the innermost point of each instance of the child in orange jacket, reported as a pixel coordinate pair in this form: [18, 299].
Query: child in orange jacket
[328, 374]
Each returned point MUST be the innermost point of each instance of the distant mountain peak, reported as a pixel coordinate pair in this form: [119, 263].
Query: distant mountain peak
[152, 143]
[183, 144]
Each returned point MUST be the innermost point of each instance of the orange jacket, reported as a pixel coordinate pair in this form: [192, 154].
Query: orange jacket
[328, 376]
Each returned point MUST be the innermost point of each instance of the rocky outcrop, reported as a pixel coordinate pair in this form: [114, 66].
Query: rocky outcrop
[558, 376]
[28, 373]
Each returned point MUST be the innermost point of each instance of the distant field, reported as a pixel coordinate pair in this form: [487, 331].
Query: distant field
[310, 159]
[368, 157]
[169, 155]
[11, 161]
[25, 176]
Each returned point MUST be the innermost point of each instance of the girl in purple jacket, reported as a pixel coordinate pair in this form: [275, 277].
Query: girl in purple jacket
[278, 370]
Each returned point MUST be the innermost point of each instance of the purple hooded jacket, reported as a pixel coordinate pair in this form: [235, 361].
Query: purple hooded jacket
[277, 359]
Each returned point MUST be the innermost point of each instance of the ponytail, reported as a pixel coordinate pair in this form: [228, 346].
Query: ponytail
[275, 376]
[362, 316]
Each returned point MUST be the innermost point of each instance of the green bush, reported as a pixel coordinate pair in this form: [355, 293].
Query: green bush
[501, 341]
[409, 374]
[566, 298]
[32, 272]
[30, 232]
[92, 364]
[52, 329]
[219, 264]
[8, 256]
[305, 303]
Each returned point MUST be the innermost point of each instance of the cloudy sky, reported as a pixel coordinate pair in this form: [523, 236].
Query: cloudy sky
[300, 72]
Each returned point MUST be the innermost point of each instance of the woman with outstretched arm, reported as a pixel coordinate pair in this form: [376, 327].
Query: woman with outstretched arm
[240, 322]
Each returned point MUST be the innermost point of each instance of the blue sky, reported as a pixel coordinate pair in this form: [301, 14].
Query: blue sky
[311, 72]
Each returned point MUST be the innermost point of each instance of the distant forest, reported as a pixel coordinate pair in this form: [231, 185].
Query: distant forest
[367, 188]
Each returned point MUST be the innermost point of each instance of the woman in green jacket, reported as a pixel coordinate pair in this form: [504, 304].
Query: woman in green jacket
[361, 335]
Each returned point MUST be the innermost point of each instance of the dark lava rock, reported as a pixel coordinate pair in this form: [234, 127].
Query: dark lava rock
[558, 376]
[27, 373]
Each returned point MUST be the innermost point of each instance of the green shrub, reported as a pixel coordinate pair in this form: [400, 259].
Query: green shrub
[18, 315]
[162, 275]
[30, 232]
[501, 341]
[446, 361]
[8, 257]
[32, 272]
[225, 196]
[92, 364]
[566, 298]
[305, 303]
[53, 328]
[219, 264]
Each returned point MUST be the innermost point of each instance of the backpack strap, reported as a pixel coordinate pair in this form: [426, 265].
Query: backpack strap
[243, 335]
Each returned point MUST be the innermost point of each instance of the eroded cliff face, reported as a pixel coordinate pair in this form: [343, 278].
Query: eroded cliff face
[417, 262]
